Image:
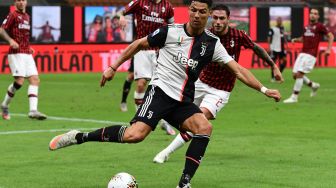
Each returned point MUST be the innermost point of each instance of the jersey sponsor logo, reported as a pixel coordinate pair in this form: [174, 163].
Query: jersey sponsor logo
[185, 61]
[24, 26]
[309, 33]
[152, 18]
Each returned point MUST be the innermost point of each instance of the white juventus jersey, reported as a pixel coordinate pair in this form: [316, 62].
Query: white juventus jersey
[277, 38]
[182, 57]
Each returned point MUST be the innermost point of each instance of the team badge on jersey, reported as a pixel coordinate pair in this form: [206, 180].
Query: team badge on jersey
[163, 10]
[203, 47]
[232, 43]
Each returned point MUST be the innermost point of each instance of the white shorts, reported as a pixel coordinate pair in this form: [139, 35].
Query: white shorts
[144, 64]
[22, 65]
[304, 63]
[210, 98]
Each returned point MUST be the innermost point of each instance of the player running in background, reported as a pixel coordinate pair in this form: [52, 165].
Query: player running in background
[21, 61]
[184, 51]
[149, 16]
[277, 45]
[213, 88]
[306, 60]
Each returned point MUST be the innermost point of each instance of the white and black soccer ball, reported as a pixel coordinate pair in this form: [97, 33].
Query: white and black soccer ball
[122, 180]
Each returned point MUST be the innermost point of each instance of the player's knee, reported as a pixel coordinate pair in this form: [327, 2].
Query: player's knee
[141, 84]
[134, 137]
[35, 80]
[204, 128]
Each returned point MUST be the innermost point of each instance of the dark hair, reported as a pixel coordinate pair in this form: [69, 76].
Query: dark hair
[222, 7]
[208, 2]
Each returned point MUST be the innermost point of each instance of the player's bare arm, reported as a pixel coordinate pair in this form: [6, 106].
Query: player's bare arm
[261, 52]
[6, 37]
[129, 52]
[250, 80]
[330, 37]
[299, 39]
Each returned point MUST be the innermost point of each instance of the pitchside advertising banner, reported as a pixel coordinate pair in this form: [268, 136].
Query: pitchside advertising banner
[96, 58]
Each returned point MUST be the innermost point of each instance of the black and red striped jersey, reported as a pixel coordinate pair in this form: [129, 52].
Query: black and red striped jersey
[17, 25]
[149, 15]
[217, 76]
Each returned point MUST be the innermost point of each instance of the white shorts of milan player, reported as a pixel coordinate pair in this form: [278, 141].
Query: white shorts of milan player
[144, 64]
[304, 63]
[22, 65]
[210, 98]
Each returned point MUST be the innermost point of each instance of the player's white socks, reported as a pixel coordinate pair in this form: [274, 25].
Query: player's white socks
[33, 99]
[297, 87]
[306, 80]
[10, 94]
[177, 143]
[138, 99]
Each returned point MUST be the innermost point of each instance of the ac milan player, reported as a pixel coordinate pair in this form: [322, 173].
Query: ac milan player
[21, 61]
[149, 16]
[306, 60]
[184, 51]
[212, 90]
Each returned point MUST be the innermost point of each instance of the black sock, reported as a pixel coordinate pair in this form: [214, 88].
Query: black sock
[283, 66]
[106, 134]
[126, 90]
[195, 153]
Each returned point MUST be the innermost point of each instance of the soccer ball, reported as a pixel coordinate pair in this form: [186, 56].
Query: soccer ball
[122, 180]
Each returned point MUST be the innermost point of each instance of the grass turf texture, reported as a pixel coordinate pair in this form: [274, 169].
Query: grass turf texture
[255, 143]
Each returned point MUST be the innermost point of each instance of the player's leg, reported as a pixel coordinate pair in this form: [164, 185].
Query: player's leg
[117, 133]
[313, 85]
[210, 101]
[143, 123]
[274, 56]
[127, 87]
[282, 61]
[17, 69]
[201, 128]
[303, 64]
[34, 82]
[142, 72]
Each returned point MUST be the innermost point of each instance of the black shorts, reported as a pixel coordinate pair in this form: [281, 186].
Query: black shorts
[277, 55]
[131, 67]
[157, 105]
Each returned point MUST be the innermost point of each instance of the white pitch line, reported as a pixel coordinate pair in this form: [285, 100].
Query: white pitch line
[76, 119]
[42, 131]
[61, 130]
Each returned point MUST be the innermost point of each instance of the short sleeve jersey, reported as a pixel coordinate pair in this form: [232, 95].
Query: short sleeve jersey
[182, 57]
[149, 15]
[219, 77]
[17, 25]
[312, 36]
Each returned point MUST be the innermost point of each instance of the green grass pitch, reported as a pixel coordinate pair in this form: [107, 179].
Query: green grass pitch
[255, 143]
